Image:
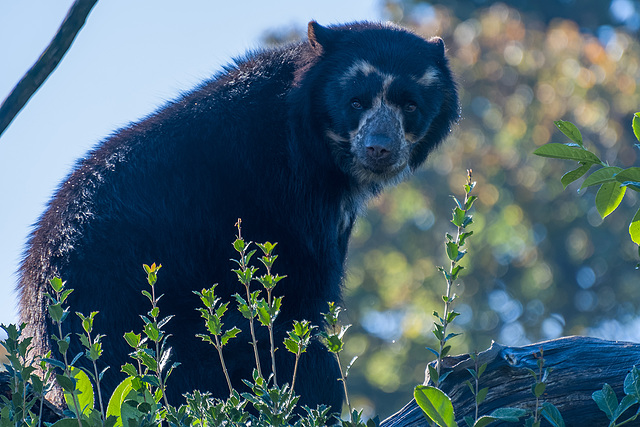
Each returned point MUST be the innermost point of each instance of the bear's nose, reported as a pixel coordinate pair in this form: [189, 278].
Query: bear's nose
[378, 147]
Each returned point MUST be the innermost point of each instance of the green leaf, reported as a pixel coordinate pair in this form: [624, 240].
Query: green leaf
[629, 174]
[457, 201]
[456, 271]
[485, 420]
[625, 403]
[445, 352]
[632, 383]
[56, 312]
[433, 374]
[132, 339]
[116, 400]
[636, 125]
[66, 422]
[238, 245]
[436, 405]
[451, 316]
[601, 176]
[509, 414]
[333, 343]
[464, 236]
[562, 151]
[151, 331]
[552, 414]
[469, 202]
[231, 333]
[84, 393]
[458, 217]
[95, 351]
[482, 369]
[129, 369]
[538, 389]
[609, 197]
[634, 228]
[292, 345]
[570, 130]
[482, 394]
[634, 185]
[57, 284]
[147, 360]
[452, 250]
[606, 400]
[577, 173]
[66, 383]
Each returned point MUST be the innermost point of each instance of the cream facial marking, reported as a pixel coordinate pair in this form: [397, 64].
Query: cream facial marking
[358, 67]
[335, 137]
[429, 77]
[385, 85]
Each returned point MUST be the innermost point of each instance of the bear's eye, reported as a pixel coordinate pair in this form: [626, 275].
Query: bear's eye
[410, 107]
[356, 104]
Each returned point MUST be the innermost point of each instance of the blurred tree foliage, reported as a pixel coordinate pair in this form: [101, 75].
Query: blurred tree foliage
[541, 264]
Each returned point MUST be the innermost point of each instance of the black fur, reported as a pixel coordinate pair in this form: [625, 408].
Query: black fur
[250, 143]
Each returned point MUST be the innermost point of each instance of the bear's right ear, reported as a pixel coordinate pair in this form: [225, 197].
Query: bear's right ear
[319, 37]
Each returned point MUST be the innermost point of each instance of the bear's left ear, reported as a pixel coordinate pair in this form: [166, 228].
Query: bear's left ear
[319, 37]
[438, 44]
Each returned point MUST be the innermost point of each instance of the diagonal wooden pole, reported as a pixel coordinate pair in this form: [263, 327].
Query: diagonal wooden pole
[47, 62]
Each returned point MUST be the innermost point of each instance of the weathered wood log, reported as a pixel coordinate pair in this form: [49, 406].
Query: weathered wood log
[581, 365]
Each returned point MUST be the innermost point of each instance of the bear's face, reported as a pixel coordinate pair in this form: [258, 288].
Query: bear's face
[377, 118]
[388, 98]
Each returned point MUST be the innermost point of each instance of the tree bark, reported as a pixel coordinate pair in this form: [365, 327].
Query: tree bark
[581, 365]
[47, 62]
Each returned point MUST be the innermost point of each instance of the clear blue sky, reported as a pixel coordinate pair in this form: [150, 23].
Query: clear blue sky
[129, 58]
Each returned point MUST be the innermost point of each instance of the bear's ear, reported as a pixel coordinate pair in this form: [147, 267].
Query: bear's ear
[438, 44]
[319, 37]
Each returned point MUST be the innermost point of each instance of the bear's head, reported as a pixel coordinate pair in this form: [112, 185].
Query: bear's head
[386, 98]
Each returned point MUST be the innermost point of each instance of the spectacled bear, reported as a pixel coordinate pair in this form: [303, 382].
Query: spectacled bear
[294, 140]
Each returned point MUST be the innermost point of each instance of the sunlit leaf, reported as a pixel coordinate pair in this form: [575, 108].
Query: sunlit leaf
[84, 393]
[634, 228]
[571, 176]
[636, 125]
[436, 405]
[609, 197]
[570, 130]
[452, 250]
[562, 151]
[601, 176]
[629, 174]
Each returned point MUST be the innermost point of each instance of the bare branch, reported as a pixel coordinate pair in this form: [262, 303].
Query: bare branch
[47, 62]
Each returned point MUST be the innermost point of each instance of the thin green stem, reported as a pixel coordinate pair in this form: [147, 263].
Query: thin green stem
[254, 341]
[95, 371]
[218, 347]
[344, 383]
[243, 268]
[477, 383]
[271, 340]
[67, 372]
[295, 371]
[154, 304]
[447, 302]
